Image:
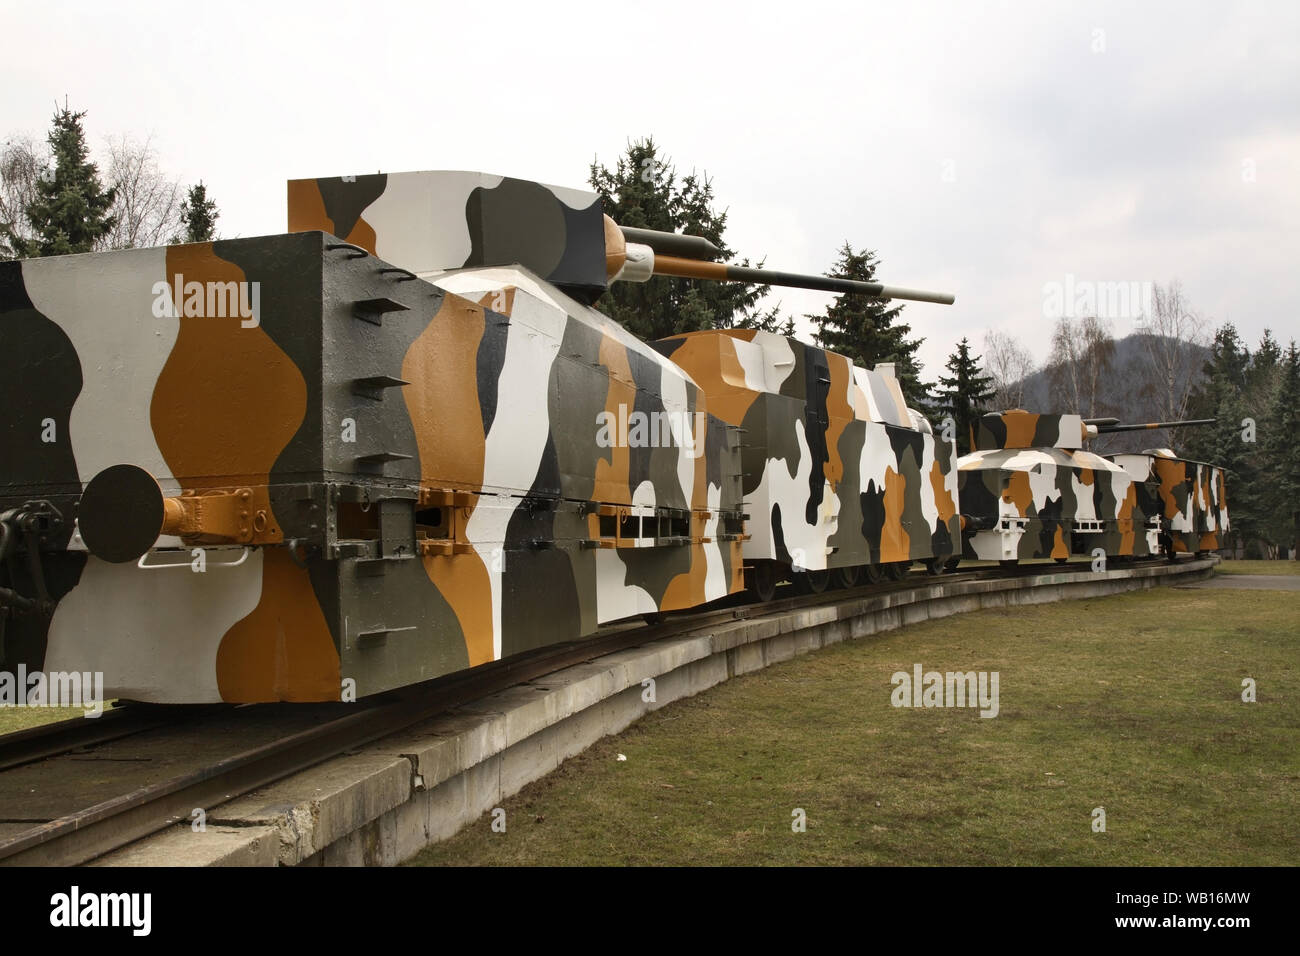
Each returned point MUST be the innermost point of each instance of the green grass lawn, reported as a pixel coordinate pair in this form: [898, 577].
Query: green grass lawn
[1259, 567]
[1131, 703]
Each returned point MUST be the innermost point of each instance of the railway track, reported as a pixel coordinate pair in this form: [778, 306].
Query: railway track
[174, 759]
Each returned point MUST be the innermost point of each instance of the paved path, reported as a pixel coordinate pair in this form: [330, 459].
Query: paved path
[1249, 582]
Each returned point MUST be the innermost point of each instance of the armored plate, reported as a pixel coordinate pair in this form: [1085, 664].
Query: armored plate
[837, 471]
[1029, 490]
[369, 480]
[1189, 497]
[1022, 503]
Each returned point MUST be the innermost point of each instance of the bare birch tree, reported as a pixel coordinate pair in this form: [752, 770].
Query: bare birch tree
[22, 159]
[1082, 353]
[148, 206]
[1174, 341]
[1009, 364]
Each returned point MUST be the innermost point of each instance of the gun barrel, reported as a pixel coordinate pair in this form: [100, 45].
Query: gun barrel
[694, 269]
[1148, 426]
[672, 243]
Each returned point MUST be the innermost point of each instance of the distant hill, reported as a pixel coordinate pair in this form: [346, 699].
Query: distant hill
[1126, 395]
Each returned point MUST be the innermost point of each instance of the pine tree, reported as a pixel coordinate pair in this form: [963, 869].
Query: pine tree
[1281, 443]
[70, 212]
[866, 329]
[964, 395]
[199, 214]
[643, 191]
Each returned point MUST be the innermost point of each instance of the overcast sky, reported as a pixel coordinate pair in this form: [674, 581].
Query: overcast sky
[985, 150]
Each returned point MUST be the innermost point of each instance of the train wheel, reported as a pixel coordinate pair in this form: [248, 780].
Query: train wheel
[845, 578]
[1061, 560]
[654, 617]
[951, 563]
[895, 570]
[934, 566]
[761, 581]
[812, 582]
[872, 574]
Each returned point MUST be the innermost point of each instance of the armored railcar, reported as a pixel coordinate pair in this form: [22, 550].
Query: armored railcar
[367, 477]
[1186, 502]
[839, 475]
[398, 442]
[1029, 489]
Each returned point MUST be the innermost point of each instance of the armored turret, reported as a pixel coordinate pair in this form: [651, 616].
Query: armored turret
[438, 222]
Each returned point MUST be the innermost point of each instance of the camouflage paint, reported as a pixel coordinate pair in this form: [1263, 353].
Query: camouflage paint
[1030, 490]
[836, 472]
[431, 484]
[1185, 501]
[432, 222]
[416, 462]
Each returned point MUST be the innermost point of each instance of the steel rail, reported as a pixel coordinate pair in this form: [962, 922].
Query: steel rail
[50, 740]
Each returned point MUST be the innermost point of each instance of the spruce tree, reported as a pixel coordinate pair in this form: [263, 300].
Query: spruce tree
[867, 330]
[1222, 397]
[199, 214]
[1281, 444]
[1267, 357]
[644, 191]
[964, 394]
[71, 211]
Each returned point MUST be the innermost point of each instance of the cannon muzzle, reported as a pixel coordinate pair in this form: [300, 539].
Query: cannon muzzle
[1106, 426]
[635, 255]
